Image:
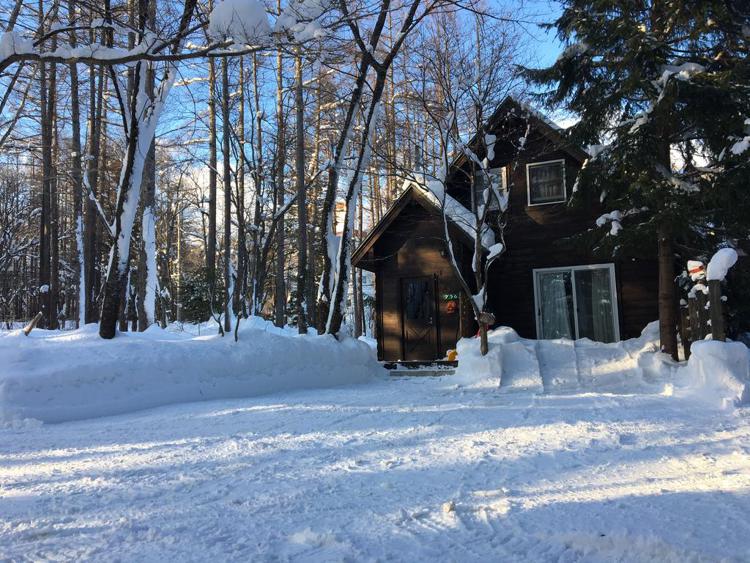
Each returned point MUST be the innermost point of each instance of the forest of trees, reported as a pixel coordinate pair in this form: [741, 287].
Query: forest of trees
[172, 160]
[180, 160]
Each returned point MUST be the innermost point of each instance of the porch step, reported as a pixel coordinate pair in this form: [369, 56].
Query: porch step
[421, 369]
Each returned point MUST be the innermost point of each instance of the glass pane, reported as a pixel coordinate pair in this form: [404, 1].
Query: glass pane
[418, 300]
[595, 305]
[546, 182]
[481, 194]
[556, 304]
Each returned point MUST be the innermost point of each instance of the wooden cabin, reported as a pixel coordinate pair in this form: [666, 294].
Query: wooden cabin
[548, 284]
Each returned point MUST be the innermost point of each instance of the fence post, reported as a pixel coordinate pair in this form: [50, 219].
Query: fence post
[695, 331]
[685, 337]
[702, 314]
[716, 310]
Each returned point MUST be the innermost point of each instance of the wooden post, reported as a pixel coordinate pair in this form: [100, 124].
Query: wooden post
[702, 314]
[695, 330]
[29, 327]
[716, 310]
[685, 337]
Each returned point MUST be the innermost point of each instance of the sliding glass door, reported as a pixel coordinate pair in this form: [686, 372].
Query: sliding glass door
[577, 302]
[555, 303]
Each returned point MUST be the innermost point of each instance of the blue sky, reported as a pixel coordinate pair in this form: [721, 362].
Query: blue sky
[543, 48]
[545, 45]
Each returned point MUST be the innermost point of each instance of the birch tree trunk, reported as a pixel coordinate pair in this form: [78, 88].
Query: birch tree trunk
[147, 270]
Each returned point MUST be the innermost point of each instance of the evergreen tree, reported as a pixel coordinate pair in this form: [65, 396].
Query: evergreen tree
[662, 88]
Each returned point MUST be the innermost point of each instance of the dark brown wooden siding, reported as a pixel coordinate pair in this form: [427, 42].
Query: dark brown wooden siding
[413, 246]
[542, 236]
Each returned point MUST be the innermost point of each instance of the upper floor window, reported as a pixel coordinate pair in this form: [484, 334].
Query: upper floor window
[546, 182]
[482, 192]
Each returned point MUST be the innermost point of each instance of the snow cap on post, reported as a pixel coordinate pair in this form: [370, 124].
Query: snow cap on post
[720, 263]
[245, 21]
[696, 270]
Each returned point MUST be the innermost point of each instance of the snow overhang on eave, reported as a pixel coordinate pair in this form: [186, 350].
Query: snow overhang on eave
[460, 219]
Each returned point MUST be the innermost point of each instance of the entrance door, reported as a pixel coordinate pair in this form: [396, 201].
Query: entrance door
[419, 318]
[577, 302]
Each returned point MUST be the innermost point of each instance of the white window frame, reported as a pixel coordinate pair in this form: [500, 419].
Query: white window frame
[612, 287]
[528, 183]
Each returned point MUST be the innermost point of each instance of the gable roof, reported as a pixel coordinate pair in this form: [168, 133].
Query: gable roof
[459, 217]
[541, 123]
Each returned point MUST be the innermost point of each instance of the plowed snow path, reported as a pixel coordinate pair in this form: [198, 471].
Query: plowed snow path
[407, 470]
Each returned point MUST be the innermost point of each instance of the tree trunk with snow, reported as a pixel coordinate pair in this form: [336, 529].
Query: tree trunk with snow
[240, 289]
[313, 247]
[335, 277]
[327, 234]
[343, 258]
[227, 177]
[147, 269]
[143, 118]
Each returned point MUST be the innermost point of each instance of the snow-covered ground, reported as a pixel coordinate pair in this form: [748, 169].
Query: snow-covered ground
[397, 469]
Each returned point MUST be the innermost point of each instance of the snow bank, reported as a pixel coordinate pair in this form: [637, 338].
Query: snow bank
[519, 364]
[60, 376]
[510, 362]
[718, 372]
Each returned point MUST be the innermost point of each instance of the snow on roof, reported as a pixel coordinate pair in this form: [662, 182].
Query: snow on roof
[456, 212]
[539, 115]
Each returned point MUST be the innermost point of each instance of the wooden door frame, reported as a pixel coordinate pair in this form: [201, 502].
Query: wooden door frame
[436, 309]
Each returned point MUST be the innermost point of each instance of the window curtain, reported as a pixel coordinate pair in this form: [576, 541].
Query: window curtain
[594, 300]
[546, 182]
[556, 304]
[601, 306]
